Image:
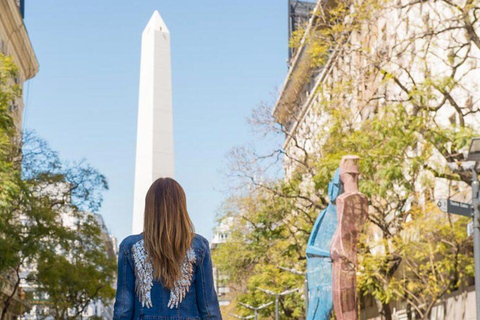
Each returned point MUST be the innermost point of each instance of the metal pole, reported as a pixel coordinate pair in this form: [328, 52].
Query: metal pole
[476, 236]
[305, 289]
[306, 285]
[276, 307]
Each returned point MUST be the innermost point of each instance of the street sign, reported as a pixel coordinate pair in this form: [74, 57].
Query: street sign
[455, 207]
[470, 228]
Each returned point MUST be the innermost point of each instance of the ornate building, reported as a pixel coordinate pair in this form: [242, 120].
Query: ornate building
[299, 108]
[15, 42]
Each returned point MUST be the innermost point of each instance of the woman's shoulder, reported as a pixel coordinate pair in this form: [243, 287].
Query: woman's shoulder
[200, 245]
[198, 241]
[129, 241]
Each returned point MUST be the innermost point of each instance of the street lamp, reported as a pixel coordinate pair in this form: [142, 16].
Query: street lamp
[277, 298]
[474, 155]
[305, 289]
[256, 309]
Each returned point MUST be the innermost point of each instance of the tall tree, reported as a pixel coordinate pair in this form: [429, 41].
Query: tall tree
[78, 274]
[38, 194]
[398, 91]
[11, 186]
[72, 266]
[436, 258]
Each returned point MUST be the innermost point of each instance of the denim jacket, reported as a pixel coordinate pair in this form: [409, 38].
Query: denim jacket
[139, 296]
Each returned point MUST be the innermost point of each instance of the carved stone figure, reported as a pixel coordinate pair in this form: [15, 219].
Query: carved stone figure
[319, 263]
[352, 210]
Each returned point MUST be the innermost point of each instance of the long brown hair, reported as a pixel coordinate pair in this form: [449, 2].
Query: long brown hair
[167, 229]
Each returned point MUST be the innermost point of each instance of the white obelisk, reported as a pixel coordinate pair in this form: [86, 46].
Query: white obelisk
[154, 157]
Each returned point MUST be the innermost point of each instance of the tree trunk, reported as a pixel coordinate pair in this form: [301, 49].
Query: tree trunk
[387, 311]
[409, 312]
[8, 301]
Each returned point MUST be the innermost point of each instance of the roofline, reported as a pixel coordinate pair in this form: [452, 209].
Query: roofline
[18, 38]
[306, 106]
[297, 55]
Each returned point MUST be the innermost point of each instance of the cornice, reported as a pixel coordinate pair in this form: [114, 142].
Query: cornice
[298, 63]
[17, 38]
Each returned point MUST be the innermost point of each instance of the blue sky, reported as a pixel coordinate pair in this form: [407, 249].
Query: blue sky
[227, 56]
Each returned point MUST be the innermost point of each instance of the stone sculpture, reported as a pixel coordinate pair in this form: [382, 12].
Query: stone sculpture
[352, 209]
[319, 263]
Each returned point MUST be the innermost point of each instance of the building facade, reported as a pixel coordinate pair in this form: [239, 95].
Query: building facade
[15, 42]
[396, 39]
[39, 304]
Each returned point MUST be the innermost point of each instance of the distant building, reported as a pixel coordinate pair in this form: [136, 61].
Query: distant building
[221, 235]
[108, 239]
[105, 311]
[222, 232]
[14, 41]
[40, 303]
[40, 300]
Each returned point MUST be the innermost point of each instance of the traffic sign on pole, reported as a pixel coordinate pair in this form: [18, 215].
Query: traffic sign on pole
[455, 207]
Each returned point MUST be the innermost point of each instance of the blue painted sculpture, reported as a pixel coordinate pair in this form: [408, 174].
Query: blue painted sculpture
[319, 263]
